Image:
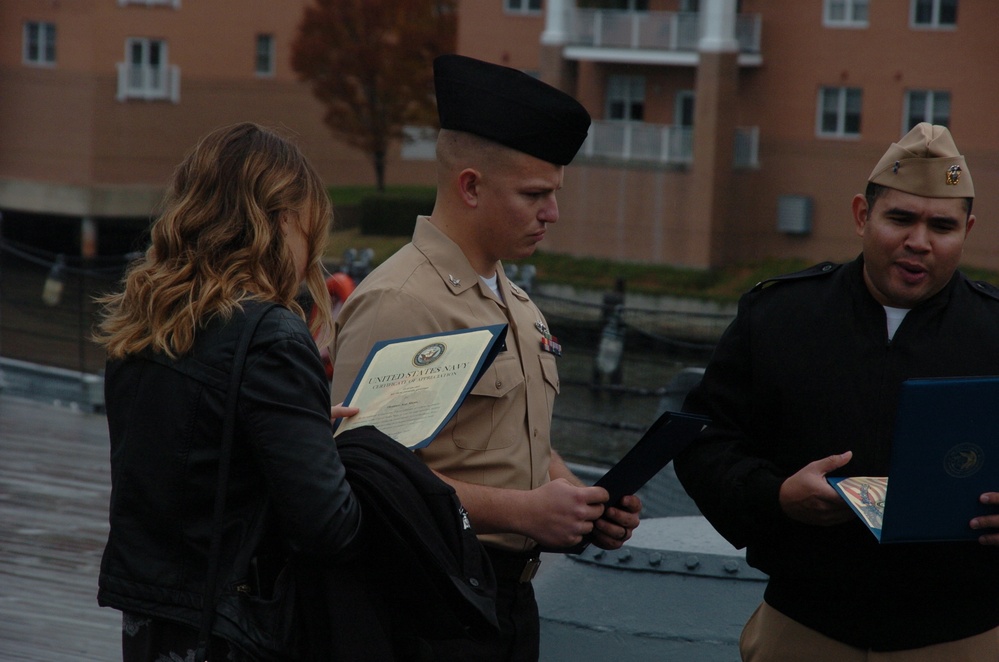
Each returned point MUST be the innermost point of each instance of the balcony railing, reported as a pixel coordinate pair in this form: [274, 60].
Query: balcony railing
[662, 31]
[639, 142]
[137, 81]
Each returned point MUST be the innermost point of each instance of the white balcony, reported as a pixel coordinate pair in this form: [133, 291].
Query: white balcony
[639, 142]
[650, 36]
[151, 83]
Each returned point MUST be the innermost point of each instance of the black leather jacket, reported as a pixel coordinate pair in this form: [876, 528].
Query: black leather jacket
[287, 488]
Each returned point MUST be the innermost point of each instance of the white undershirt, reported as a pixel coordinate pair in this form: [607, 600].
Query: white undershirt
[493, 285]
[895, 317]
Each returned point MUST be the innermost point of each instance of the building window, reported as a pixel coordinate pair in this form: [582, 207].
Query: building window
[839, 111]
[39, 43]
[845, 13]
[683, 111]
[522, 6]
[934, 13]
[146, 73]
[264, 60]
[419, 143]
[926, 106]
[625, 98]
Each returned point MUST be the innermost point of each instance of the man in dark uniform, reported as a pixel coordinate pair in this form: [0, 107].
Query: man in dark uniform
[805, 382]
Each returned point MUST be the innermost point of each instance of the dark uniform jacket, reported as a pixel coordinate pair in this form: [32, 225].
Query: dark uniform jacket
[287, 488]
[806, 370]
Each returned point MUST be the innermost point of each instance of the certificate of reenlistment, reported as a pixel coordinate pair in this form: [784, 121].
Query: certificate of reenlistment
[409, 388]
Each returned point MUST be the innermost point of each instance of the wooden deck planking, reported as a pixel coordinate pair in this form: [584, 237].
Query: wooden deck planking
[54, 490]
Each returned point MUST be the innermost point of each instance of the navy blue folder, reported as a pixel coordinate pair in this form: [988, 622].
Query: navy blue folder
[945, 454]
[665, 439]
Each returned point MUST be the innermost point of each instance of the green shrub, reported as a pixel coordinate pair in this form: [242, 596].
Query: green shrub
[346, 217]
[393, 215]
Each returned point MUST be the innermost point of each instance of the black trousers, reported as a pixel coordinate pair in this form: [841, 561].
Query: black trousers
[145, 639]
[517, 611]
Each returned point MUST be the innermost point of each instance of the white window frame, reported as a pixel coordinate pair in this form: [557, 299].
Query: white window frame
[259, 56]
[145, 79]
[850, 9]
[151, 3]
[628, 90]
[934, 99]
[44, 46]
[523, 7]
[934, 22]
[842, 98]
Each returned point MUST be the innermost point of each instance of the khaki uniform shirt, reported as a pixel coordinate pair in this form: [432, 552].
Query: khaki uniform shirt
[501, 434]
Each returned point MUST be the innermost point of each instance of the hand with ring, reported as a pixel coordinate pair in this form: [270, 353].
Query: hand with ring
[615, 526]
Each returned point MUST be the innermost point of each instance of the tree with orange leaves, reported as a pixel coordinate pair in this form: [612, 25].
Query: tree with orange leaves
[370, 64]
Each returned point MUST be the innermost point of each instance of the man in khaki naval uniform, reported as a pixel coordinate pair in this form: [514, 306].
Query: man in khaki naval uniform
[501, 153]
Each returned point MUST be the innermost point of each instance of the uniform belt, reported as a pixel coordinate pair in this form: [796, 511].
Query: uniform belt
[514, 566]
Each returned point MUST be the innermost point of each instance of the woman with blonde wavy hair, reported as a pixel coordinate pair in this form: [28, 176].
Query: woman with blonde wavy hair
[243, 226]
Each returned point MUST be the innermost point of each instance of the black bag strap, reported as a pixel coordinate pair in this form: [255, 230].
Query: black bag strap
[250, 322]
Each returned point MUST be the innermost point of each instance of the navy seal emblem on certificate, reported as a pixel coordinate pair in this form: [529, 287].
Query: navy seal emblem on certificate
[409, 388]
[429, 354]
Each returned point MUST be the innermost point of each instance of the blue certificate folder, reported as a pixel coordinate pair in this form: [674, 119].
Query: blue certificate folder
[420, 360]
[945, 454]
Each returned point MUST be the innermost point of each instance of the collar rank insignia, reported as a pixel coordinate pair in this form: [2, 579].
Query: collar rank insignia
[455, 282]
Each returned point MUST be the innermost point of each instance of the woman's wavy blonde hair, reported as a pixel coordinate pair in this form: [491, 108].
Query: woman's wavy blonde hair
[219, 242]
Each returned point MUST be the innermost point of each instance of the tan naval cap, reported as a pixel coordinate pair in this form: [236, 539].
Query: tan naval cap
[925, 162]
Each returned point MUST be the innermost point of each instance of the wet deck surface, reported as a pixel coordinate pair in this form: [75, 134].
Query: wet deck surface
[54, 489]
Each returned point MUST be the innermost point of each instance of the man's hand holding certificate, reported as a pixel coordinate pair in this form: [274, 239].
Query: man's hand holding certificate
[410, 387]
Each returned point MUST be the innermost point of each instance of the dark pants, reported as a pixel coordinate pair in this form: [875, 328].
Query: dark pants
[145, 639]
[517, 612]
